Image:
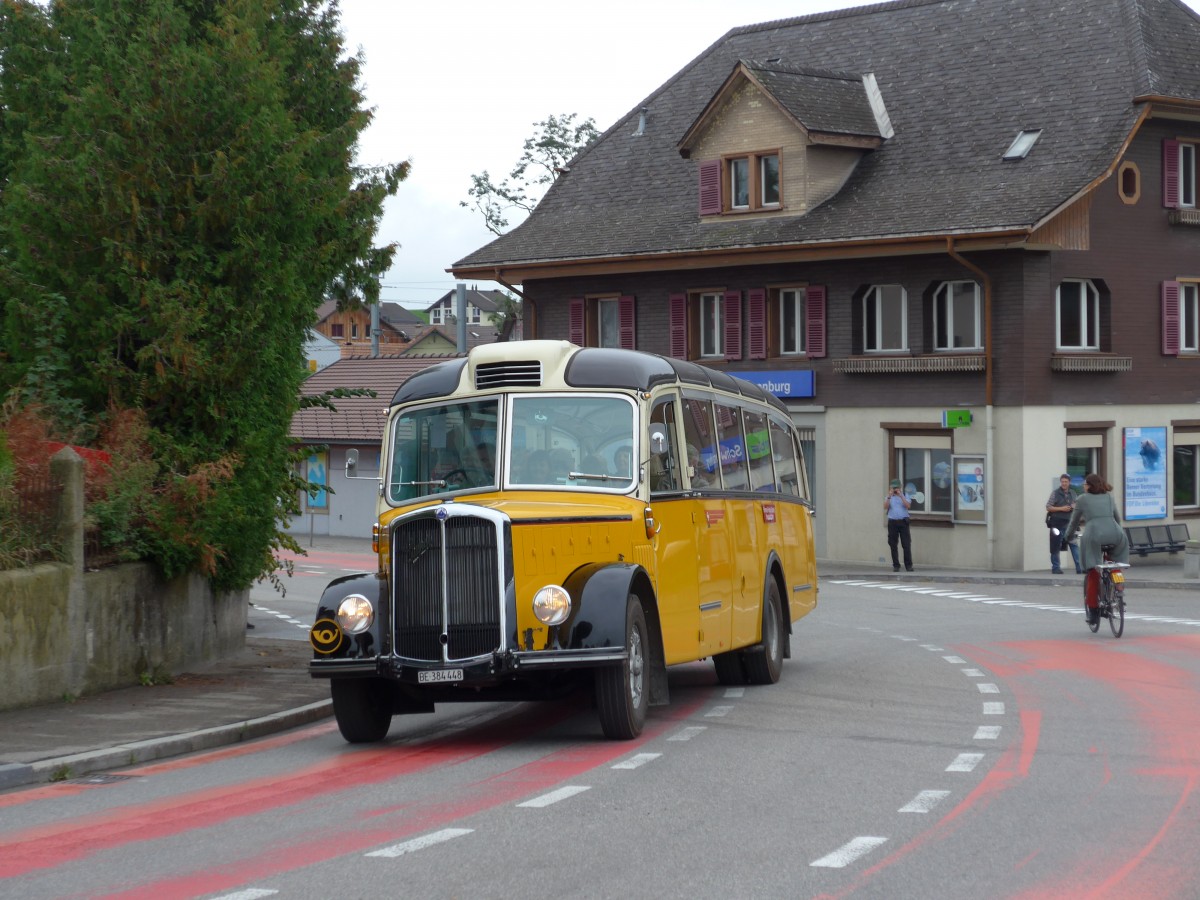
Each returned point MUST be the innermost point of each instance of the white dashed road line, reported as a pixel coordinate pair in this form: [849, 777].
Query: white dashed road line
[848, 853]
[924, 802]
[425, 840]
[686, 734]
[637, 761]
[965, 762]
[562, 793]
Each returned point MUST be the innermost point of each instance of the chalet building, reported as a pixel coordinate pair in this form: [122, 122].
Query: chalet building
[903, 218]
[482, 308]
[351, 328]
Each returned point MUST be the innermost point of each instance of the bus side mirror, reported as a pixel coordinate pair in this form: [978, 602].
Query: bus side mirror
[352, 463]
[658, 439]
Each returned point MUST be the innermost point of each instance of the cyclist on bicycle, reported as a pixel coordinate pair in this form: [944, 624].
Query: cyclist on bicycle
[1102, 528]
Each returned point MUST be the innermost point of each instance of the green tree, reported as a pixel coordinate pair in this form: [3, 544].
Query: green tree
[181, 173]
[546, 152]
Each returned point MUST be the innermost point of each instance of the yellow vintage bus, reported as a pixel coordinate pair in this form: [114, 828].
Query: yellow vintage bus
[551, 515]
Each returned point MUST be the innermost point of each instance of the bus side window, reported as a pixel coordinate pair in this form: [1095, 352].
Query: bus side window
[733, 448]
[664, 468]
[758, 451]
[701, 446]
[783, 449]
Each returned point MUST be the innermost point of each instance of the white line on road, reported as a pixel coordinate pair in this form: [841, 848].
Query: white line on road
[635, 761]
[988, 688]
[973, 673]
[956, 660]
[843, 856]
[687, 734]
[965, 762]
[426, 840]
[993, 709]
[554, 796]
[735, 692]
[924, 801]
[717, 712]
[987, 732]
[251, 894]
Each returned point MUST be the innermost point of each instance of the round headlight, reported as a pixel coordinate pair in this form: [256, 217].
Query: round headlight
[355, 614]
[552, 605]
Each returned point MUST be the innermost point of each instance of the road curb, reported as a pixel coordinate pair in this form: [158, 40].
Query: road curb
[1026, 580]
[62, 768]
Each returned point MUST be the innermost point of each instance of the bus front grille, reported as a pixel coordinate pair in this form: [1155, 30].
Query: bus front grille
[446, 588]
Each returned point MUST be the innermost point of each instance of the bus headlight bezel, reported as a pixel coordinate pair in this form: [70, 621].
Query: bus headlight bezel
[355, 614]
[552, 605]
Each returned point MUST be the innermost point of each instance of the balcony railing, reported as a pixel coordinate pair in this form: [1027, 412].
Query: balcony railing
[909, 365]
[1090, 362]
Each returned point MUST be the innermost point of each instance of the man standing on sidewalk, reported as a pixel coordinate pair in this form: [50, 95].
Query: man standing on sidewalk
[896, 505]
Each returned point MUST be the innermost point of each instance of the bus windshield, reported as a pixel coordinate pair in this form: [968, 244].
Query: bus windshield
[573, 441]
[438, 449]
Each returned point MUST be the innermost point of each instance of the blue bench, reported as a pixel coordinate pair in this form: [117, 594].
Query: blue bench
[1147, 539]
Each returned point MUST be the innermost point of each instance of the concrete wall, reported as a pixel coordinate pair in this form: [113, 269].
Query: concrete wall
[66, 632]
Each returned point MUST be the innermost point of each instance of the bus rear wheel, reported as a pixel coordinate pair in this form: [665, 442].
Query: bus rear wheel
[621, 697]
[764, 663]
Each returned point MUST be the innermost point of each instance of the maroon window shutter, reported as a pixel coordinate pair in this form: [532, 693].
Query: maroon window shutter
[710, 187]
[1170, 318]
[575, 322]
[627, 322]
[1171, 174]
[733, 325]
[678, 325]
[814, 320]
[756, 327]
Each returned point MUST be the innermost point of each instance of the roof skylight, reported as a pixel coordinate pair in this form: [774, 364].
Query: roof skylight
[1023, 143]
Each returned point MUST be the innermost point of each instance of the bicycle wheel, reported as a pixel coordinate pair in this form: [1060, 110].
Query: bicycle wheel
[1092, 617]
[1116, 610]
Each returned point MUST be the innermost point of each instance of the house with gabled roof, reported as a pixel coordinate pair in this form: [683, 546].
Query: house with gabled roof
[482, 307]
[353, 424]
[959, 238]
[350, 327]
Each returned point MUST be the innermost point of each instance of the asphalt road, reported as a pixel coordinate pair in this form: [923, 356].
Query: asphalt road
[925, 741]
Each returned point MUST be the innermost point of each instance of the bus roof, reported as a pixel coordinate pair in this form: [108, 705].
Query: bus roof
[554, 364]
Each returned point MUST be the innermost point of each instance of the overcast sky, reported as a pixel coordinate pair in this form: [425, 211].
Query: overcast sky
[457, 86]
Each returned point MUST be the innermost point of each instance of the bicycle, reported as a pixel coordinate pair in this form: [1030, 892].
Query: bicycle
[1110, 600]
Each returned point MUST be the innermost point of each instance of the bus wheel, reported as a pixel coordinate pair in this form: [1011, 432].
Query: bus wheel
[621, 698]
[729, 667]
[764, 663]
[363, 708]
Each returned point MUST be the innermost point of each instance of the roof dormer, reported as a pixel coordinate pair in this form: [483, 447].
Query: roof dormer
[776, 139]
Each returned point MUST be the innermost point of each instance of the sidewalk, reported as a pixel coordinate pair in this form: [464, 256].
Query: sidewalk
[266, 688]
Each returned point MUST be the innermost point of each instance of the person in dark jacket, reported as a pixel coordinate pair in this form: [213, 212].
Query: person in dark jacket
[1101, 526]
[1059, 508]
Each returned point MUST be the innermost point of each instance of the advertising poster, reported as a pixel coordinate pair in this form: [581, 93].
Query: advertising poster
[318, 473]
[1145, 473]
[969, 490]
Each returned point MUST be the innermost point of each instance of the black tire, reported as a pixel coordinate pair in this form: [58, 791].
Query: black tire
[1116, 618]
[764, 664]
[730, 668]
[363, 708]
[1092, 616]
[621, 691]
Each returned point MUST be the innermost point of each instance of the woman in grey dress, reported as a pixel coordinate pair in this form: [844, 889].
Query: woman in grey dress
[1102, 526]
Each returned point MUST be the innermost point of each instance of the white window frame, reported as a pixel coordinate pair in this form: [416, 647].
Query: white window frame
[1189, 317]
[739, 175]
[943, 315]
[926, 447]
[1089, 315]
[712, 330]
[793, 341]
[1187, 174]
[435, 316]
[474, 314]
[875, 297]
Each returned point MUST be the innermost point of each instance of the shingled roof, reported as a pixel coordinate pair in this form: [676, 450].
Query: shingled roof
[358, 420]
[959, 78]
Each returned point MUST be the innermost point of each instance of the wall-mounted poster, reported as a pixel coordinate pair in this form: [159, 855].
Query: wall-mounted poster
[970, 490]
[1145, 473]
